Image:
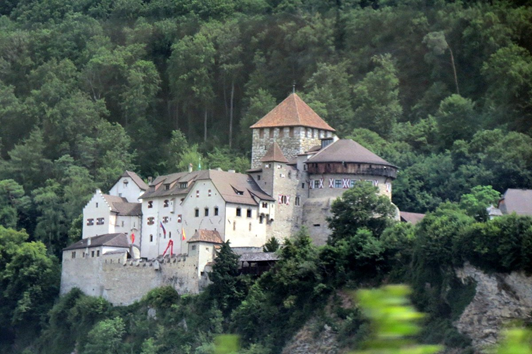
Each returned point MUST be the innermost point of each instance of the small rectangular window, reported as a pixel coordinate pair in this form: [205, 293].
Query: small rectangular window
[216, 211]
[73, 254]
[151, 220]
[98, 253]
[183, 185]
[258, 177]
[249, 226]
[100, 221]
[166, 203]
[193, 247]
[179, 217]
[238, 212]
[150, 204]
[90, 222]
[303, 185]
[264, 205]
[151, 238]
[337, 183]
[206, 211]
[196, 212]
[297, 201]
[92, 254]
[234, 225]
[248, 213]
[261, 219]
[165, 219]
[96, 204]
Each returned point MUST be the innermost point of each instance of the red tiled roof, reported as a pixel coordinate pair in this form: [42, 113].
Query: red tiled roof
[202, 235]
[292, 112]
[274, 154]
[346, 150]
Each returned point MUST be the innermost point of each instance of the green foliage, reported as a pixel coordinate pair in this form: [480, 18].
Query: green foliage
[515, 340]
[105, 337]
[271, 245]
[393, 321]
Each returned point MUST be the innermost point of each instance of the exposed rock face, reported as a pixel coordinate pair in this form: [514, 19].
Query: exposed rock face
[307, 341]
[499, 298]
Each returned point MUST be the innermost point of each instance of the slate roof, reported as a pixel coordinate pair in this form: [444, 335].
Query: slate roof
[233, 187]
[135, 178]
[111, 240]
[122, 207]
[412, 218]
[259, 257]
[347, 150]
[203, 235]
[274, 154]
[516, 200]
[292, 112]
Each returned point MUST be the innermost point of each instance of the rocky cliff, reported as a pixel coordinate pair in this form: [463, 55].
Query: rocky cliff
[499, 299]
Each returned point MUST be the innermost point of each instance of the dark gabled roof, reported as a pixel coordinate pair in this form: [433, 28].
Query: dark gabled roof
[412, 218]
[111, 240]
[274, 154]
[210, 236]
[233, 187]
[135, 178]
[121, 206]
[517, 201]
[292, 112]
[259, 257]
[347, 150]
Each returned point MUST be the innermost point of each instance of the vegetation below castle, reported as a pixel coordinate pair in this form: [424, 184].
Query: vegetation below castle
[89, 88]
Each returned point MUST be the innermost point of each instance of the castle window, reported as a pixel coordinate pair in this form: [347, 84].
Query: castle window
[234, 225]
[92, 254]
[96, 204]
[183, 185]
[317, 225]
[170, 234]
[258, 177]
[316, 183]
[98, 253]
[264, 204]
[100, 221]
[193, 247]
[197, 193]
[73, 254]
[238, 212]
[165, 203]
[352, 183]
[179, 216]
[126, 182]
[151, 220]
[261, 219]
[210, 193]
[90, 222]
[150, 204]
[196, 212]
[215, 211]
[248, 213]
[167, 187]
[261, 133]
[337, 183]
[267, 165]
[151, 238]
[303, 185]
[297, 202]
[289, 175]
[206, 211]
[291, 132]
[165, 219]
[249, 226]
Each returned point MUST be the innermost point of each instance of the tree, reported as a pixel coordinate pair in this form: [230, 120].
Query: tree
[227, 286]
[12, 202]
[271, 245]
[456, 119]
[376, 97]
[476, 203]
[360, 208]
[106, 337]
[438, 44]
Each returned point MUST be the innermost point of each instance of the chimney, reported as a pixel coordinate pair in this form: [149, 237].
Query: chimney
[189, 167]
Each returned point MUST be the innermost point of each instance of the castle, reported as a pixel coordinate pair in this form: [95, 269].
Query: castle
[141, 236]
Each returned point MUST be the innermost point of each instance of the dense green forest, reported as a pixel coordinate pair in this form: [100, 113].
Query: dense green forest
[89, 88]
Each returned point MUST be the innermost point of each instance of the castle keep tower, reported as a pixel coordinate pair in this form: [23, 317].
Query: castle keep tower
[293, 125]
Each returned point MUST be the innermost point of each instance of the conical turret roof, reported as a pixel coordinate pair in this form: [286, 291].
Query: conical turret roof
[274, 154]
[292, 112]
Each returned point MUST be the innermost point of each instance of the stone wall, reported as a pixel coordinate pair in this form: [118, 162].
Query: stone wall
[122, 282]
[301, 140]
[499, 299]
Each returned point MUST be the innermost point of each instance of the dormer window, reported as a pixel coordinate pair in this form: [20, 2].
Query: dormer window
[167, 187]
[183, 185]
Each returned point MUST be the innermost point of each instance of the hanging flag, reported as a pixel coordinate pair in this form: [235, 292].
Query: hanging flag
[164, 230]
[184, 237]
[132, 238]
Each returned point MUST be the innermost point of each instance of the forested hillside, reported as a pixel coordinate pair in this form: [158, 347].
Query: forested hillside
[89, 88]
